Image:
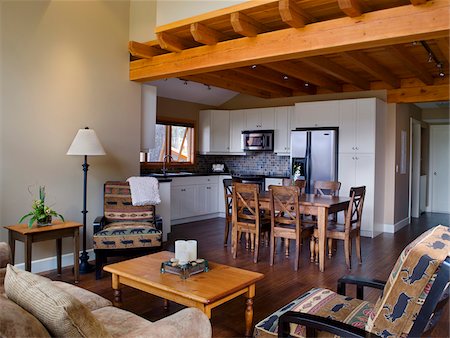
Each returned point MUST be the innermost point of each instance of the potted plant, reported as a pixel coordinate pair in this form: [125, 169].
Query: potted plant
[41, 213]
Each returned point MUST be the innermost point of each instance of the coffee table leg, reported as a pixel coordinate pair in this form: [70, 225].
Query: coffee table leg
[117, 292]
[166, 304]
[28, 245]
[249, 310]
[12, 245]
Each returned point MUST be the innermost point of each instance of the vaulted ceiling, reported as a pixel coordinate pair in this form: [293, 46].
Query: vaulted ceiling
[283, 48]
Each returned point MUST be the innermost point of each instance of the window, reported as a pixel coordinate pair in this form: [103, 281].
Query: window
[172, 138]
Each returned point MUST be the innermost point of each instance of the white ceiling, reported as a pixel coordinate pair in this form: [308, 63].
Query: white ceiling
[192, 92]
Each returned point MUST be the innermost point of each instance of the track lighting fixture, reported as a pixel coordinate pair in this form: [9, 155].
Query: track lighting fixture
[285, 77]
[185, 82]
[433, 58]
[306, 84]
[253, 66]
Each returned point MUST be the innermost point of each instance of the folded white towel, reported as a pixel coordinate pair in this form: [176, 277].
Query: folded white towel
[144, 190]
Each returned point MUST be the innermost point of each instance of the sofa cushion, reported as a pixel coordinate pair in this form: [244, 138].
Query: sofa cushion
[321, 302]
[120, 235]
[89, 299]
[62, 314]
[16, 322]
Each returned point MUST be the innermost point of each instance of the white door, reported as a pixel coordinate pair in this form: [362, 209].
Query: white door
[440, 168]
[267, 118]
[237, 125]
[365, 175]
[281, 133]
[347, 126]
[253, 119]
[220, 131]
[415, 169]
[365, 125]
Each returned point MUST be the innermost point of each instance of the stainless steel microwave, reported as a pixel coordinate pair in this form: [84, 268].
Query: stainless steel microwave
[257, 140]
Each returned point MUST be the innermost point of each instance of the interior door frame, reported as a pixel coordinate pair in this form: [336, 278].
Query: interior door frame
[414, 164]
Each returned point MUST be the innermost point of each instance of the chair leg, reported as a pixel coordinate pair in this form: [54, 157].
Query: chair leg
[311, 248]
[234, 241]
[347, 249]
[316, 250]
[330, 247]
[99, 262]
[256, 247]
[227, 230]
[272, 249]
[286, 247]
[358, 247]
[297, 253]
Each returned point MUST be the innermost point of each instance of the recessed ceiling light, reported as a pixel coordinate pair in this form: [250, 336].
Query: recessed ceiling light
[253, 67]
[306, 84]
[285, 77]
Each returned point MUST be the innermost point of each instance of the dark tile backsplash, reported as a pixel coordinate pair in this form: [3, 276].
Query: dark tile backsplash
[265, 163]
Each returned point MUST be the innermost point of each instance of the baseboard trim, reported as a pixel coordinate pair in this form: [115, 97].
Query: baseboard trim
[195, 218]
[49, 263]
[393, 228]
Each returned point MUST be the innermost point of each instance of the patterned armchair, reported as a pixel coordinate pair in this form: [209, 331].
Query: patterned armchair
[410, 305]
[124, 229]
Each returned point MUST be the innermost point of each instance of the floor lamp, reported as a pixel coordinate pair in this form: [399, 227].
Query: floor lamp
[85, 143]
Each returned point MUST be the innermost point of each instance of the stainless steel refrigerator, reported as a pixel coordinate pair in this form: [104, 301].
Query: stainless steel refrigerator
[314, 155]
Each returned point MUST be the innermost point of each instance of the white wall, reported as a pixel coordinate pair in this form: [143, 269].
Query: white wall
[64, 66]
[168, 11]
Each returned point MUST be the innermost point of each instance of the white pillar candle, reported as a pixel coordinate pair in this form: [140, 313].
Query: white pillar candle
[192, 249]
[180, 247]
[183, 257]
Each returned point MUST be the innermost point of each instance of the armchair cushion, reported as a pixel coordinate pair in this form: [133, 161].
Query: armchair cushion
[121, 235]
[320, 302]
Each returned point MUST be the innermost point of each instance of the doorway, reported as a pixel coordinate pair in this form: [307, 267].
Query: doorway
[440, 168]
[415, 167]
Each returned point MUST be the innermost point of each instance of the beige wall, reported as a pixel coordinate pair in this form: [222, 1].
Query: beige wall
[64, 67]
[142, 20]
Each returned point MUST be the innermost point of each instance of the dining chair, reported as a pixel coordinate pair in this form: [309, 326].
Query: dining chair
[330, 188]
[286, 220]
[228, 194]
[301, 184]
[351, 227]
[247, 217]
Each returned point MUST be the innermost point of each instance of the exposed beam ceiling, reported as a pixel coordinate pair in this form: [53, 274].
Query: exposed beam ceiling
[281, 48]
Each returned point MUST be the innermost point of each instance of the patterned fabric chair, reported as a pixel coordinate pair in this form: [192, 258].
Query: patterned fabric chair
[124, 229]
[410, 305]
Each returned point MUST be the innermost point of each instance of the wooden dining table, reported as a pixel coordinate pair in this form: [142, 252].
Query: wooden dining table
[317, 205]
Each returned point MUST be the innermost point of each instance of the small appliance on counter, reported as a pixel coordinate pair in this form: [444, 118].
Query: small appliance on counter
[218, 168]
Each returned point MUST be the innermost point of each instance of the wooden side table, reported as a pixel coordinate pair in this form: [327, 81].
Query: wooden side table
[57, 230]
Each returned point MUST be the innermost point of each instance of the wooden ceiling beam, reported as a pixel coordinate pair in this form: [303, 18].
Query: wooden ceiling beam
[292, 14]
[443, 46]
[373, 67]
[351, 8]
[374, 29]
[244, 25]
[331, 68]
[419, 94]
[266, 74]
[206, 35]
[418, 2]
[247, 80]
[143, 50]
[302, 72]
[170, 42]
[218, 81]
[411, 63]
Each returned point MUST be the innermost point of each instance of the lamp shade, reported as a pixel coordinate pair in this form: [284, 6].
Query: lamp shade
[86, 142]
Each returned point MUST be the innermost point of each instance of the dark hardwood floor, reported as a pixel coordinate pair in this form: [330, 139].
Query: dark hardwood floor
[281, 283]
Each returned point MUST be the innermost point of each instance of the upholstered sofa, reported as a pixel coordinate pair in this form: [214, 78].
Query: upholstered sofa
[68, 310]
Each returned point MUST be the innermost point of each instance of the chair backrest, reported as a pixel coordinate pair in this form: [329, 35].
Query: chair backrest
[245, 203]
[284, 205]
[119, 208]
[301, 184]
[327, 188]
[355, 207]
[415, 287]
[228, 194]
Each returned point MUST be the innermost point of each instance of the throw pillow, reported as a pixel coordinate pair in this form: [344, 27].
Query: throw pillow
[61, 313]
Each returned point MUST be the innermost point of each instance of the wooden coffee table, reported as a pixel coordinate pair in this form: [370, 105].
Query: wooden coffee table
[204, 291]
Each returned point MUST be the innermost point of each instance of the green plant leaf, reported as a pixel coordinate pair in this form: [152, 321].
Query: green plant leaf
[30, 222]
[62, 218]
[27, 215]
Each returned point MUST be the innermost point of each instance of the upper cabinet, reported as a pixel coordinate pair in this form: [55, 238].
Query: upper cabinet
[357, 125]
[237, 125]
[259, 118]
[282, 131]
[214, 131]
[316, 114]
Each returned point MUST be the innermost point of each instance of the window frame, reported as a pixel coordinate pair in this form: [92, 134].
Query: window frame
[170, 163]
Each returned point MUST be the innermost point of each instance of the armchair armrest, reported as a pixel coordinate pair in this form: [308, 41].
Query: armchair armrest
[360, 283]
[313, 323]
[5, 254]
[99, 223]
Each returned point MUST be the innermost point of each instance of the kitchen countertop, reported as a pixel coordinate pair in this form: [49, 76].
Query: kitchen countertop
[168, 176]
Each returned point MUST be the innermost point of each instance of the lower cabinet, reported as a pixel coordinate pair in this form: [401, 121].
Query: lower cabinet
[195, 196]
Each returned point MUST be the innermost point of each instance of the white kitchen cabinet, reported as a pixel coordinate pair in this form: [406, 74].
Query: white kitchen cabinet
[316, 114]
[214, 134]
[282, 131]
[194, 196]
[358, 170]
[237, 125]
[259, 118]
[357, 126]
[272, 181]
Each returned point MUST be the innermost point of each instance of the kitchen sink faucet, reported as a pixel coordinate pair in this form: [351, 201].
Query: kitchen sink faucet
[164, 169]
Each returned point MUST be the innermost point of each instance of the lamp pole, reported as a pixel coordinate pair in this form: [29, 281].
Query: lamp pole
[85, 267]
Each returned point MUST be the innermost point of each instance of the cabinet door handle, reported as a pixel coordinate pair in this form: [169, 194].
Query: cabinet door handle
[353, 157]
[183, 189]
[353, 148]
[356, 158]
[357, 148]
